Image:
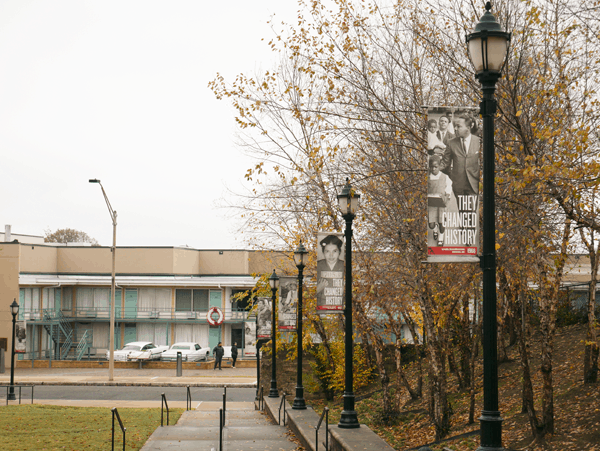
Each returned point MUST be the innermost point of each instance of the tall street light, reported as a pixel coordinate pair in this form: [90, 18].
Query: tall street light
[113, 216]
[488, 46]
[14, 310]
[300, 257]
[348, 201]
[274, 282]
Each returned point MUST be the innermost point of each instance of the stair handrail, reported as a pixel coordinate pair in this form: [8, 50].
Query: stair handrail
[282, 403]
[221, 426]
[224, 402]
[83, 344]
[123, 429]
[163, 401]
[326, 414]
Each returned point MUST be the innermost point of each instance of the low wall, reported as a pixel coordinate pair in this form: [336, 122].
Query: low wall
[156, 364]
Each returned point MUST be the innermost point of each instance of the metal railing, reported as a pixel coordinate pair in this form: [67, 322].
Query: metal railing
[282, 403]
[20, 387]
[221, 426]
[188, 399]
[224, 403]
[163, 402]
[150, 313]
[326, 414]
[261, 399]
[83, 344]
[123, 429]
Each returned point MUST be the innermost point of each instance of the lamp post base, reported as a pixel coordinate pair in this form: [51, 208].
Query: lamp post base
[299, 403]
[349, 420]
[491, 431]
[273, 392]
[11, 396]
[349, 417]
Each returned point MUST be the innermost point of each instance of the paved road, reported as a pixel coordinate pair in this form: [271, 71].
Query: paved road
[206, 394]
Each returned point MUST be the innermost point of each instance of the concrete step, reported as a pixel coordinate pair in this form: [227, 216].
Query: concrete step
[244, 430]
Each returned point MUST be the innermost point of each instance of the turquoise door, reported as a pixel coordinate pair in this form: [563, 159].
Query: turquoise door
[118, 302]
[57, 303]
[130, 333]
[214, 336]
[117, 336]
[130, 304]
[215, 299]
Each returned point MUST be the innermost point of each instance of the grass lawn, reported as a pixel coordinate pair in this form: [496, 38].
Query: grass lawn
[43, 427]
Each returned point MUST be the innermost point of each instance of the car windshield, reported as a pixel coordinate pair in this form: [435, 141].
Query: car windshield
[131, 348]
[186, 347]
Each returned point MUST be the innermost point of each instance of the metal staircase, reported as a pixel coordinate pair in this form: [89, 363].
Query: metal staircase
[84, 344]
[62, 334]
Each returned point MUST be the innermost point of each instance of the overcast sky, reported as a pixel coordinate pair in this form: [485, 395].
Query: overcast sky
[117, 90]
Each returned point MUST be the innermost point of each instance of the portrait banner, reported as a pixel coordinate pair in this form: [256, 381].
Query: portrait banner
[331, 264]
[263, 318]
[250, 339]
[20, 337]
[288, 301]
[453, 149]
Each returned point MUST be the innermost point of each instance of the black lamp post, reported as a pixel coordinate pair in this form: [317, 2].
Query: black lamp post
[348, 201]
[274, 282]
[111, 339]
[14, 310]
[300, 256]
[488, 46]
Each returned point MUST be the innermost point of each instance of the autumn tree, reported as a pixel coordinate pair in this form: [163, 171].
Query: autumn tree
[68, 236]
[346, 101]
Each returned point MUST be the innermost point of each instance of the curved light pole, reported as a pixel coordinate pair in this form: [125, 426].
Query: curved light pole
[274, 282]
[14, 310]
[488, 46]
[111, 345]
[300, 257]
[348, 201]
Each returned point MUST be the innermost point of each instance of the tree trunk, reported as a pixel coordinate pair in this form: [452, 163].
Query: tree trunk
[528, 404]
[402, 380]
[548, 306]
[590, 359]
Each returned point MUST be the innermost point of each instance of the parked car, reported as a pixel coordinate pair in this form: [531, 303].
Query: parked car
[190, 352]
[138, 350]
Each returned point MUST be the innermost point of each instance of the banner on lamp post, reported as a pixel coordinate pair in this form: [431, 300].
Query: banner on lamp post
[453, 149]
[20, 337]
[331, 256]
[250, 339]
[264, 316]
[288, 301]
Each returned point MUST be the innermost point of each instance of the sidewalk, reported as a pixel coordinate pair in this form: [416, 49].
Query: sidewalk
[231, 377]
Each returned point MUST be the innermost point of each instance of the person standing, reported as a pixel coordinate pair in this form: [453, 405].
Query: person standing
[234, 353]
[218, 352]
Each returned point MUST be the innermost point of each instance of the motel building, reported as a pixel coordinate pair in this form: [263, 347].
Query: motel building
[163, 295]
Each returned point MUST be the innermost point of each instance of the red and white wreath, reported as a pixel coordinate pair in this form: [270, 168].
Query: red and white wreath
[212, 320]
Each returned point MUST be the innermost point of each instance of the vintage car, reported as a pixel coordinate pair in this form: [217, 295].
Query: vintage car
[190, 352]
[139, 350]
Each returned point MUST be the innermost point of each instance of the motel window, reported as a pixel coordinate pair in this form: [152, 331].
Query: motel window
[191, 300]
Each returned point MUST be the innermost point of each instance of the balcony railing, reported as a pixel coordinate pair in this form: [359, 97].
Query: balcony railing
[129, 313]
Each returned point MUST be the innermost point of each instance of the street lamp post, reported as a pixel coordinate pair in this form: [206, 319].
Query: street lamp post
[14, 310]
[274, 282]
[348, 201]
[300, 256]
[113, 217]
[488, 46]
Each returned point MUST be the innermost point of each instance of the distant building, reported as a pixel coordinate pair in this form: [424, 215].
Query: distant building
[163, 295]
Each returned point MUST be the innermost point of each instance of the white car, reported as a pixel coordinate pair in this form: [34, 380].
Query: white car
[138, 350]
[190, 352]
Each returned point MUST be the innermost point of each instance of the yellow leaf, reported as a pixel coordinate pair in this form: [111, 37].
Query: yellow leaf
[519, 113]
